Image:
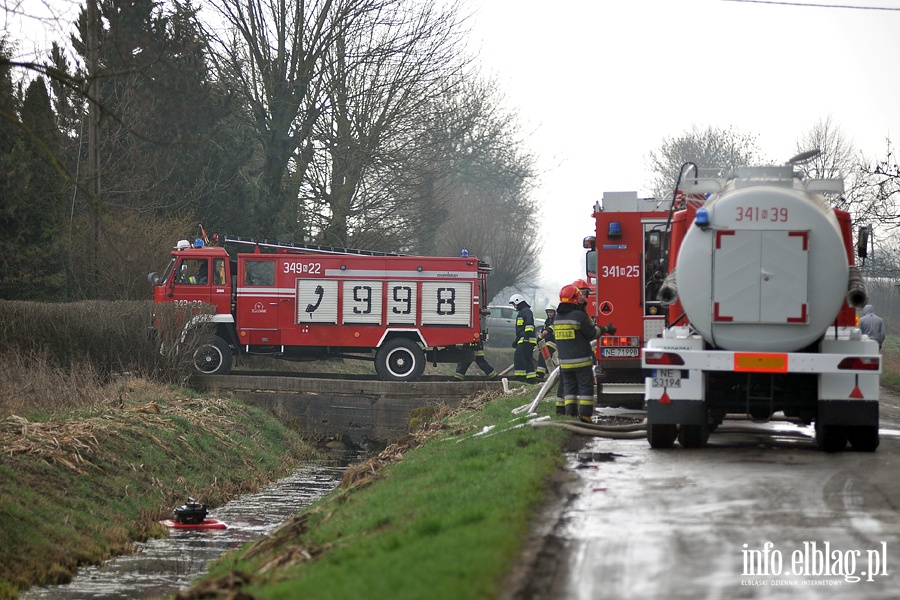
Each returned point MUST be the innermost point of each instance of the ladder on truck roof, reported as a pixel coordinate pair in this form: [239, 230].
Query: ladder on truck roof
[303, 248]
[291, 247]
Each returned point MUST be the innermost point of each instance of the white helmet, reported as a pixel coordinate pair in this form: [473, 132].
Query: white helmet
[182, 245]
[550, 306]
[516, 299]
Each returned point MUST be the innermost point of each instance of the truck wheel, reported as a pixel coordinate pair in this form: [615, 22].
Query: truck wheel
[214, 358]
[400, 359]
[661, 436]
[863, 437]
[831, 438]
[693, 436]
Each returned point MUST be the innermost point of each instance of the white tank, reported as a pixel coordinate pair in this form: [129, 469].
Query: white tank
[769, 272]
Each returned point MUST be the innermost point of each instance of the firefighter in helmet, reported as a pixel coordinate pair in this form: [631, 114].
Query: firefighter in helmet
[524, 343]
[546, 334]
[574, 330]
[585, 288]
[480, 360]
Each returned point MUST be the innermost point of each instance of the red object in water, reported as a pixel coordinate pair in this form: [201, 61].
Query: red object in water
[206, 524]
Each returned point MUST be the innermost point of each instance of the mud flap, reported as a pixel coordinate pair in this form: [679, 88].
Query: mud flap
[682, 412]
[848, 412]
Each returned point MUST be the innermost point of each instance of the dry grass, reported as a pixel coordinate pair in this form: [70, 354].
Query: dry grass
[62, 356]
[31, 385]
[112, 409]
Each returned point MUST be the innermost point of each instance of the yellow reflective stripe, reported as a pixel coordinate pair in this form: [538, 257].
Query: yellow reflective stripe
[576, 365]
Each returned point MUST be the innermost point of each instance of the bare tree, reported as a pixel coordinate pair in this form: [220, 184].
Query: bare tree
[707, 148]
[382, 76]
[482, 177]
[274, 52]
[836, 158]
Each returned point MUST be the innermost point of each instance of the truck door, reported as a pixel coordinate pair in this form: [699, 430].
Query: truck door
[257, 302]
[220, 291]
[777, 291]
[190, 281]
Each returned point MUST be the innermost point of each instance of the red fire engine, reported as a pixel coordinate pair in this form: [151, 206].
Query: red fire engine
[301, 302]
[625, 262]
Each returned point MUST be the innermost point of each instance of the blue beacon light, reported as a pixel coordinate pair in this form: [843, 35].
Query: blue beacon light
[701, 220]
[615, 230]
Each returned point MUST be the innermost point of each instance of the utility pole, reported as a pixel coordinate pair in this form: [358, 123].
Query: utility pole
[93, 43]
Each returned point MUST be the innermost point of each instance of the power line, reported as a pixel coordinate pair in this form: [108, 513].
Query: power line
[814, 5]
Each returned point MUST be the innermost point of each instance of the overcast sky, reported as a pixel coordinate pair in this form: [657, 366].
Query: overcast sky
[600, 83]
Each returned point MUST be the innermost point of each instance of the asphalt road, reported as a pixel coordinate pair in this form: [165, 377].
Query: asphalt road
[761, 515]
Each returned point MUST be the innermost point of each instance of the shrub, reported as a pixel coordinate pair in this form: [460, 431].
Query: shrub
[59, 353]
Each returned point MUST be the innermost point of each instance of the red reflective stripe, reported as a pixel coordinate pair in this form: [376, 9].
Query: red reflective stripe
[720, 317]
[802, 234]
[719, 235]
[801, 318]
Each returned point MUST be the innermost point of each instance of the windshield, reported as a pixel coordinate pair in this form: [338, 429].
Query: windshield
[168, 273]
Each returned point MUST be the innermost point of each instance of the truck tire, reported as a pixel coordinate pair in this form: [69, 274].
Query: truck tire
[214, 358]
[831, 438]
[662, 436]
[863, 437]
[400, 359]
[693, 436]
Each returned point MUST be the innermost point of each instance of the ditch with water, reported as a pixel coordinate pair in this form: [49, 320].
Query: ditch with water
[161, 567]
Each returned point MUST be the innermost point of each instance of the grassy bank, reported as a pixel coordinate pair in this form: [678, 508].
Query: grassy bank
[447, 520]
[81, 485]
[890, 354]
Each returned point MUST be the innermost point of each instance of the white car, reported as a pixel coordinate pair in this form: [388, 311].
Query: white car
[501, 325]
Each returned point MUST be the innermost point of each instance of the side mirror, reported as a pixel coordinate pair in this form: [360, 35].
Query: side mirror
[590, 263]
[153, 278]
[862, 242]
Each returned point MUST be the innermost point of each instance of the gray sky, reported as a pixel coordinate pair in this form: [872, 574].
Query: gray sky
[600, 84]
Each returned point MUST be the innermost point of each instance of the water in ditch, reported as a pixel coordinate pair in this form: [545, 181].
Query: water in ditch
[162, 567]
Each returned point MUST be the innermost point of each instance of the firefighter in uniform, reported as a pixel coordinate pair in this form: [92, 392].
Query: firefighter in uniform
[546, 334]
[549, 339]
[480, 360]
[524, 343]
[574, 330]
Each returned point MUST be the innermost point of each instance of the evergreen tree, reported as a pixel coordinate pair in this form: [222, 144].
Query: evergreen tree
[32, 223]
[167, 145]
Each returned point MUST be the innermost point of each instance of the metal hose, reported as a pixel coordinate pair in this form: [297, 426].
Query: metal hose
[857, 296]
[668, 293]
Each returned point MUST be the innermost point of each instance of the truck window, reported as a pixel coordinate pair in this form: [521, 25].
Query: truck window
[655, 243]
[259, 272]
[219, 271]
[193, 271]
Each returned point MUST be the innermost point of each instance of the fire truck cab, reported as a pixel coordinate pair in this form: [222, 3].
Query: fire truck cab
[625, 262]
[304, 302]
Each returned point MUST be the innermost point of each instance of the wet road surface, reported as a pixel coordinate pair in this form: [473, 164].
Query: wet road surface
[751, 516]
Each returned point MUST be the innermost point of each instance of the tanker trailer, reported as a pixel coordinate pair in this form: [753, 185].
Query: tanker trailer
[762, 289]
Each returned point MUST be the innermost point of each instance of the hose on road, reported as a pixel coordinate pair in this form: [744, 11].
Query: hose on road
[613, 432]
